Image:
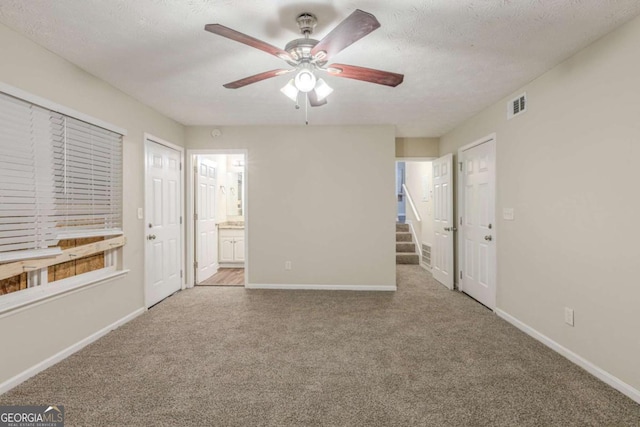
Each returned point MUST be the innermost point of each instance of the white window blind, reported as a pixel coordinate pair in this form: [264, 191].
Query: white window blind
[26, 177]
[88, 171]
[59, 178]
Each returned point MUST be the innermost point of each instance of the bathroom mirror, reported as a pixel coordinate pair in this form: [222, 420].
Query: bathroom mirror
[234, 194]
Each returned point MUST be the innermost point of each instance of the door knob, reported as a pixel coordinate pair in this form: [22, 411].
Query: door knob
[447, 229]
[488, 238]
[151, 237]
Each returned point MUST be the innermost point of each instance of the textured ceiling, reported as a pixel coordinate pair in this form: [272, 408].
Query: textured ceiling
[457, 56]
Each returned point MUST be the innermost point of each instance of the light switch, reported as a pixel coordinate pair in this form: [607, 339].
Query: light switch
[508, 214]
[568, 316]
[140, 213]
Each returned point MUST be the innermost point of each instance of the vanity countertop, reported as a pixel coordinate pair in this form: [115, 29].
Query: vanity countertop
[232, 225]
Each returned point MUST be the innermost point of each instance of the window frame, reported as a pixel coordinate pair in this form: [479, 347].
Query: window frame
[38, 286]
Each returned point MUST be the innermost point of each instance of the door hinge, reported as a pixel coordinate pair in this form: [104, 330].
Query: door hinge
[180, 220]
[195, 264]
[460, 220]
[180, 165]
[195, 170]
[460, 163]
[460, 274]
[195, 216]
[181, 274]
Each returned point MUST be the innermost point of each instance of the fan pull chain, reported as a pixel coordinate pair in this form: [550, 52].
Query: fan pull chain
[306, 109]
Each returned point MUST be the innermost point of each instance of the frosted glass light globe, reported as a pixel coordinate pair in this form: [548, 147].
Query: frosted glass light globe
[305, 81]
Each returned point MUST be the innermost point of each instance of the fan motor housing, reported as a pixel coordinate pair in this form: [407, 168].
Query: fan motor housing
[300, 49]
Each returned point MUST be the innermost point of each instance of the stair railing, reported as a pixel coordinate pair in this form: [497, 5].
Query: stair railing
[413, 206]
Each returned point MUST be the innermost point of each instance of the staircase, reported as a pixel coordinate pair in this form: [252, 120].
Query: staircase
[405, 247]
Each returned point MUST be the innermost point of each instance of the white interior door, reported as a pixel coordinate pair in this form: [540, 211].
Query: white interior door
[442, 257]
[163, 250]
[477, 216]
[206, 232]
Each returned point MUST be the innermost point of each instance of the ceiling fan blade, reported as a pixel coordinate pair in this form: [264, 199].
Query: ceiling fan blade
[365, 74]
[223, 31]
[257, 78]
[313, 99]
[353, 28]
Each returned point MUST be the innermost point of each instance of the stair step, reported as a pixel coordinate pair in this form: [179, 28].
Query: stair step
[406, 247]
[404, 258]
[402, 236]
[402, 227]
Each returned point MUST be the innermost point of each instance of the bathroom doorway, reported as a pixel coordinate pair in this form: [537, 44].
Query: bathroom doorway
[218, 203]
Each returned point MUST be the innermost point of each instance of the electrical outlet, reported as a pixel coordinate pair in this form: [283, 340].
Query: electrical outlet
[568, 316]
[287, 265]
[140, 213]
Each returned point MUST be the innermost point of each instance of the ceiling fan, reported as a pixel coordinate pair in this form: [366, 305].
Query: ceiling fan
[307, 55]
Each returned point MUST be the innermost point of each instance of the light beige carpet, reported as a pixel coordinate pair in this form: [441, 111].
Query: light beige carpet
[423, 356]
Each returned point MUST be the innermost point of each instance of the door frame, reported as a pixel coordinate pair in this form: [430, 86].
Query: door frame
[149, 138]
[459, 254]
[418, 242]
[191, 238]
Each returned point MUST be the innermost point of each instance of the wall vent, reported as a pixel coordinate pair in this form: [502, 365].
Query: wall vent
[517, 106]
[426, 255]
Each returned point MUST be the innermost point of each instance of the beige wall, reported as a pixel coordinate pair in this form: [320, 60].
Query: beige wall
[568, 168]
[417, 147]
[43, 330]
[320, 197]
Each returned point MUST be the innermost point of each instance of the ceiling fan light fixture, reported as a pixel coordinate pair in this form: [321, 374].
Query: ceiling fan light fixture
[322, 90]
[305, 81]
[306, 55]
[291, 91]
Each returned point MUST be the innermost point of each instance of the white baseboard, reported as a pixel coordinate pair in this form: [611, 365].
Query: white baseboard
[425, 267]
[25, 375]
[390, 288]
[231, 265]
[594, 370]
